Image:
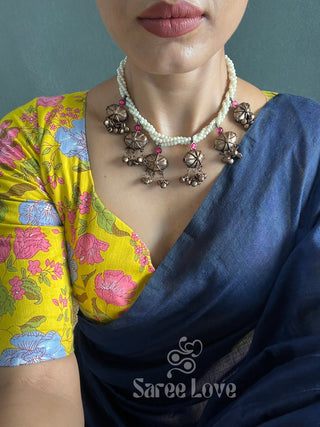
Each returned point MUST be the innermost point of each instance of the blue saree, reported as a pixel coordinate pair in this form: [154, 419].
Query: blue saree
[227, 330]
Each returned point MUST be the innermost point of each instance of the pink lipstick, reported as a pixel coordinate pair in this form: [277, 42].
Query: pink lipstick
[171, 20]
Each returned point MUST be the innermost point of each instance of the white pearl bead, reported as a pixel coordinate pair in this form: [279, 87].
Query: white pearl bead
[164, 140]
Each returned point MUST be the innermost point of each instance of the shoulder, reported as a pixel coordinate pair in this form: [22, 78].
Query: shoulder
[295, 110]
[38, 110]
[27, 125]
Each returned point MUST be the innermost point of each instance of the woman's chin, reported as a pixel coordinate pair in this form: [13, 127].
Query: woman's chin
[170, 59]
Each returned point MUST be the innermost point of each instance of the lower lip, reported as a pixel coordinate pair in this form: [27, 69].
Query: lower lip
[172, 27]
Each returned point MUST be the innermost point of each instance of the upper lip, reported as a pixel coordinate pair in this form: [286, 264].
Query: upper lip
[163, 10]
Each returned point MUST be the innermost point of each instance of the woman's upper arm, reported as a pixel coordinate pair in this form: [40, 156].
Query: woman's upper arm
[35, 292]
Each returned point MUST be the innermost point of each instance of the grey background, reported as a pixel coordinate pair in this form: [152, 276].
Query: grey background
[50, 47]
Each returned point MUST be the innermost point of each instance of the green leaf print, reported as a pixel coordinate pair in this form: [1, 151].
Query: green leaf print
[33, 323]
[3, 210]
[58, 166]
[106, 221]
[60, 317]
[97, 205]
[76, 193]
[42, 132]
[32, 166]
[84, 227]
[47, 165]
[18, 190]
[117, 232]
[6, 301]
[32, 290]
[81, 298]
[9, 265]
[30, 110]
[81, 167]
[46, 151]
[97, 310]
[44, 279]
[86, 278]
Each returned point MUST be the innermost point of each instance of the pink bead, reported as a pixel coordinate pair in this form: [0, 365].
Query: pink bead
[193, 146]
[137, 128]
[235, 104]
[219, 130]
[159, 150]
[121, 102]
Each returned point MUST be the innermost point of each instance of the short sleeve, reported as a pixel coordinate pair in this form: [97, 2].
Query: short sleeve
[35, 291]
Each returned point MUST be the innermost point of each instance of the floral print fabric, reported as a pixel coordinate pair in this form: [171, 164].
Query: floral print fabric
[57, 240]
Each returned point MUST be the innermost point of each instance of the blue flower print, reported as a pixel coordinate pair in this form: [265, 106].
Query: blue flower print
[73, 141]
[38, 213]
[72, 263]
[33, 347]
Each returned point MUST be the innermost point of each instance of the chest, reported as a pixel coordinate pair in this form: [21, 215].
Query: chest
[157, 215]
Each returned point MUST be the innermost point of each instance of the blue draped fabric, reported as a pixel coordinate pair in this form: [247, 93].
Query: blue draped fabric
[242, 283]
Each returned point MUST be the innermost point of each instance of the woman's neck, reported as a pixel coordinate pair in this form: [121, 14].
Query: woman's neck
[179, 104]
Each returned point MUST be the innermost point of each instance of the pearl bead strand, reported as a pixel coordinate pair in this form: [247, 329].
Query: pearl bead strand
[165, 140]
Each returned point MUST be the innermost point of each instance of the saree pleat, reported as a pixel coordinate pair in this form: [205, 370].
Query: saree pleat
[243, 280]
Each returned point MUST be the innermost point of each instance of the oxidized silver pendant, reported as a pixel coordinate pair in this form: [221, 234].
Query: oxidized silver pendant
[135, 142]
[227, 144]
[243, 115]
[116, 119]
[155, 164]
[195, 174]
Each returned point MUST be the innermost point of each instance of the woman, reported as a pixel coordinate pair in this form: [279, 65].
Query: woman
[199, 303]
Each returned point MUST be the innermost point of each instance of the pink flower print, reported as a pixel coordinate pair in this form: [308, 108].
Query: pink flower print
[29, 242]
[73, 234]
[144, 260]
[16, 290]
[5, 248]
[51, 180]
[9, 153]
[31, 118]
[58, 270]
[49, 263]
[143, 246]
[60, 208]
[15, 281]
[115, 287]
[34, 267]
[41, 185]
[138, 250]
[134, 237]
[151, 269]
[49, 101]
[84, 206]
[8, 135]
[88, 249]
[63, 301]
[17, 293]
[71, 216]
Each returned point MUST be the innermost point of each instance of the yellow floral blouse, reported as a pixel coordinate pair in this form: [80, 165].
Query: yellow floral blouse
[57, 240]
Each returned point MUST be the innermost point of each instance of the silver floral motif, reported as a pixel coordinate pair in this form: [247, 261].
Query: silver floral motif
[227, 144]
